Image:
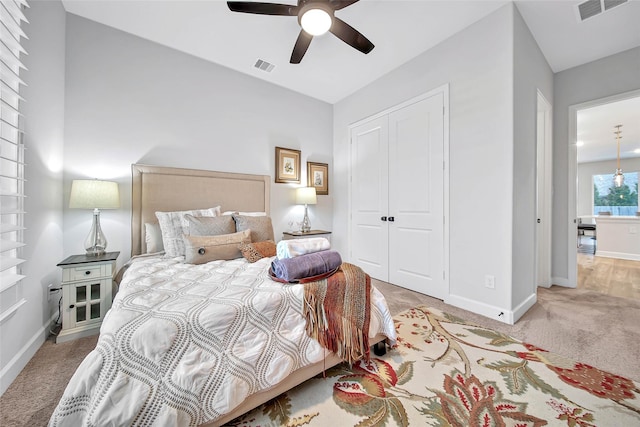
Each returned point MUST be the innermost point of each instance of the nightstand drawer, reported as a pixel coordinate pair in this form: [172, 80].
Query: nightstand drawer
[86, 272]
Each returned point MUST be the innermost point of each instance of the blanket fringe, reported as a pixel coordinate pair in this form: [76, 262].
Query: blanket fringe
[341, 328]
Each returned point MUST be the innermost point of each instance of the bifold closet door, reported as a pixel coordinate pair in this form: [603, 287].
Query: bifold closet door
[369, 201]
[397, 203]
[416, 236]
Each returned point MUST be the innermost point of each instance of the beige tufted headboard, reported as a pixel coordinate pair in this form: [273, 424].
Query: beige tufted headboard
[158, 188]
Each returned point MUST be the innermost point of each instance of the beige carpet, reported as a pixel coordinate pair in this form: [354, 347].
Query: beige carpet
[600, 330]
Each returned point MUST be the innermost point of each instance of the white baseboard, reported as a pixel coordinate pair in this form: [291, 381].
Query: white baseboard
[487, 310]
[521, 309]
[493, 312]
[621, 255]
[19, 361]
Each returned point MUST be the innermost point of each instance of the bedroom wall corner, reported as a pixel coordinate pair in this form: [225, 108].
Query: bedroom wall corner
[531, 73]
[24, 332]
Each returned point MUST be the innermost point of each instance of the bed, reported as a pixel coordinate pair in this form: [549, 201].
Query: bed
[162, 356]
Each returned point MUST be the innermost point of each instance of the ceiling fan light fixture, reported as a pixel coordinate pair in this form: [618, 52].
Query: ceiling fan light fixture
[315, 21]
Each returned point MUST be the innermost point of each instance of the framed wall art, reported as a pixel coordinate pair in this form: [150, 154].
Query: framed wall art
[287, 165]
[318, 177]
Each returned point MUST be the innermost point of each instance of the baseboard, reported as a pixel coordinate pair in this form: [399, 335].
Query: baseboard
[19, 361]
[487, 310]
[621, 255]
[521, 309]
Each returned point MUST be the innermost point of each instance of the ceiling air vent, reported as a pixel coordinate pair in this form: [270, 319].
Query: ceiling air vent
[264, 65]
[591, 8]
[610, 4]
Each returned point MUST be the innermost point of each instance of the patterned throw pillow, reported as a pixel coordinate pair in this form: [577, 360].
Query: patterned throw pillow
[210, 225]
[260, 226]
[255, 251]
[203, 249]
[174, 225]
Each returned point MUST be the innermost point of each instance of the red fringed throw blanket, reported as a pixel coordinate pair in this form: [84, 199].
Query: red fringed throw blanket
[337, 310]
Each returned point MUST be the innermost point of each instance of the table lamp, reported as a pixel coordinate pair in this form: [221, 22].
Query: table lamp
[306, 196]
[94, 194]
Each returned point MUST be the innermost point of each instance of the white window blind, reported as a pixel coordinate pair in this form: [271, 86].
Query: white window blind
[12, 166]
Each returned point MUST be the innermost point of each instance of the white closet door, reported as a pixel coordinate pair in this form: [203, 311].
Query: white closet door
[416, 236]
[369, 203]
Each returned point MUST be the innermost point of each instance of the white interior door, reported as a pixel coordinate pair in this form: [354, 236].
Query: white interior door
[416, 202]
[543, 193]
[369, 202]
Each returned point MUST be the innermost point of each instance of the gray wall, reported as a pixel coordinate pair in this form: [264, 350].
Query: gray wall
[613, 75]
[478, 65]
[129, 100]
[23, 333]
[532, 72]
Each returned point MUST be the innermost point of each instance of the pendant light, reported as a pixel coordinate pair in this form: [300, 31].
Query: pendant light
[618, 177]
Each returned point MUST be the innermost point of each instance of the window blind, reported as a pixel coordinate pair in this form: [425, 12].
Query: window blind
[12, 166]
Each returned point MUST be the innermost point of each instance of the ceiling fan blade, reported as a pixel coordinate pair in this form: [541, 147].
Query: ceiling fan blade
[301, 46]
[337, 4]
[263, 8]
[350, 35]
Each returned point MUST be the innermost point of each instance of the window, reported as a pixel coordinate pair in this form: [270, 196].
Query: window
[620, 201]
[11, 158]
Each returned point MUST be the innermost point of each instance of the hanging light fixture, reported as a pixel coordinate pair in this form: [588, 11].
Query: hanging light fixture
[618, 177]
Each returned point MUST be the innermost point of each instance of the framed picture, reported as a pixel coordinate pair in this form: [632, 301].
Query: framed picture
[287, 165]
[318, 177]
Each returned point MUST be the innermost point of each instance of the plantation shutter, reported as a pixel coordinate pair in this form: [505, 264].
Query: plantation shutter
[11, 157]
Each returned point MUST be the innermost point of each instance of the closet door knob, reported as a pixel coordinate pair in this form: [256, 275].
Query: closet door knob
[384, 218]
[391, 219]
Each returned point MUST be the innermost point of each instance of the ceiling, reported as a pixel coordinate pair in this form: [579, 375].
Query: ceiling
[596, 140]
[400, 30]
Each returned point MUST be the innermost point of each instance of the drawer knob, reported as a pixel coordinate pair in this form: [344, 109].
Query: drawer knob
[88, 272]
[72, 305]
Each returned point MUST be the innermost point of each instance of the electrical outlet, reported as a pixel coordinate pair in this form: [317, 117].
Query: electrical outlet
[49, 291]
[490, 281]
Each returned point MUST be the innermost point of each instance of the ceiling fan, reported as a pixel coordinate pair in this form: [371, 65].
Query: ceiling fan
[316, 17]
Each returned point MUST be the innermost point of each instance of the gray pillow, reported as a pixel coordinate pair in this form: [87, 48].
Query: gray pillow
[210, 225]
[174, 226]
[260, 226]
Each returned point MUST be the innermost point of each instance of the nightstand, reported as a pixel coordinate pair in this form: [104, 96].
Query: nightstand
[288, 235]
[86, 293]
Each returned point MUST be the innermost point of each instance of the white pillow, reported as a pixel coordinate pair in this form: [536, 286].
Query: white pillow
[245, 213]
[174, 226]
[153, 237]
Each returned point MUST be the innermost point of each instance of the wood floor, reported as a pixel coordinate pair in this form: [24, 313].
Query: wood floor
[611, 276]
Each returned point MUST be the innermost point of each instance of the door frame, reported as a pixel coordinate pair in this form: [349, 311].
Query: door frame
[544, 194]
[444, 90]
[572, 217]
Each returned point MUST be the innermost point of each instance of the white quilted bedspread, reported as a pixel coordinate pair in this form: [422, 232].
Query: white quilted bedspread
[184, 344]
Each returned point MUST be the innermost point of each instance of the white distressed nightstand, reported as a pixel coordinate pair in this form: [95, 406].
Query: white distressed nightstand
[86, 293]
[288, 235]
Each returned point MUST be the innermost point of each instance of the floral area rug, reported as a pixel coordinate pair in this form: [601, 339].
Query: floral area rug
[446, 372]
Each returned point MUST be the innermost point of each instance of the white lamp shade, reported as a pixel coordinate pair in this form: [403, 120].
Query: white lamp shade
[306, 196]
[94, 194]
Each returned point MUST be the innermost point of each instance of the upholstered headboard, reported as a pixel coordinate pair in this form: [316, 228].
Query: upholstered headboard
[158, 188]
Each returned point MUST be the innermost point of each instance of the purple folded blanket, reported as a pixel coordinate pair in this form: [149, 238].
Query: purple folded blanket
[291, 269]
